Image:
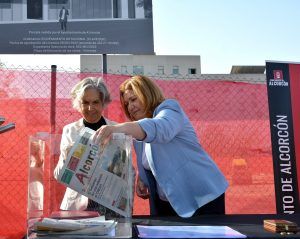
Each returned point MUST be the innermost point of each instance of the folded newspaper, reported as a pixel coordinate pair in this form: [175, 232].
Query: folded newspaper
[93, 226]
[102, 174]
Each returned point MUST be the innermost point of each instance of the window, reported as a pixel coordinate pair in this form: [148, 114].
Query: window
[175, 70]
[161, 70]
[138, 70]
[91, 9]
[57, 4]
[192, 71]
[5, 4]
[124, 70]
[35, 9]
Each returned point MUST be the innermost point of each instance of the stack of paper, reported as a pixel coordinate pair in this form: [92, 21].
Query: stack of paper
[96, 226]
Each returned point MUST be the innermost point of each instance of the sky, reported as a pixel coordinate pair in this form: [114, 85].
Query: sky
[222, 32]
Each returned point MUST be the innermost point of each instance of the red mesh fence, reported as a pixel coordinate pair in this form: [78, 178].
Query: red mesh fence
[231, 120]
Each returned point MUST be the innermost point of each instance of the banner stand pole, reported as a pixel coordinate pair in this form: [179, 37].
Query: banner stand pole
[53, 98]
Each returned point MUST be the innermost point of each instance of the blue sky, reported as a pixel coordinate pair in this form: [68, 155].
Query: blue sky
[222, 32]
[228, 32]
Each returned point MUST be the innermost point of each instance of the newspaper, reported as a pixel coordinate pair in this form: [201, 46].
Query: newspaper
[92, 226]
[102, 174]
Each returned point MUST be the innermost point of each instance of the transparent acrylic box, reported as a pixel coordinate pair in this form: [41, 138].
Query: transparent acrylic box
[45, 193]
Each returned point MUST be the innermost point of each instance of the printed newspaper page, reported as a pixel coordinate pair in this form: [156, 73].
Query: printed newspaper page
[88, 227]
[102, 174]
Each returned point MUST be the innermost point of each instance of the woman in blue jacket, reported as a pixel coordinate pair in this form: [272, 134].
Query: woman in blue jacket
[175, 172]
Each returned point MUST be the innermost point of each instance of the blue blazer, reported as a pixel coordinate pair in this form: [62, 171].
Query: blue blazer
[185, 172]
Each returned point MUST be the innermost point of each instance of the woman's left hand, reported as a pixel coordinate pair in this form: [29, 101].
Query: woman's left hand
[142, 190]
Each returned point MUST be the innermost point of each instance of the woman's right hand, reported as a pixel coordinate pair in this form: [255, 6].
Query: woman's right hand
[142, 190]
[103, 134]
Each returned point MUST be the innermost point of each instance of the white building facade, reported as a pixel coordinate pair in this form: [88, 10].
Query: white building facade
[48, 10]
[163, 65]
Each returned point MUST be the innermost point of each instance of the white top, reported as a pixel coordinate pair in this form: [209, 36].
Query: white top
[63, 14]
[146, 155]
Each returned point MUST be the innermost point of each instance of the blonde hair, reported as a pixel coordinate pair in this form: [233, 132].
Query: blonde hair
[146, 91]
[78, 90]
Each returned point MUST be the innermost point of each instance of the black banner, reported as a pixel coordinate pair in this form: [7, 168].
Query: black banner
[76, 27]
[86, 37]
[282, 136]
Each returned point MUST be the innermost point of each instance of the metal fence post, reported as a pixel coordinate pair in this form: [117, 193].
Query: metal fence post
[53, 99]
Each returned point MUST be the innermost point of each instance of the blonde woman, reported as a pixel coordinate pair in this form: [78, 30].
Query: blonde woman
[175, 172]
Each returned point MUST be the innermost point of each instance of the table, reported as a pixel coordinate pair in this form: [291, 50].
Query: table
[249, 225]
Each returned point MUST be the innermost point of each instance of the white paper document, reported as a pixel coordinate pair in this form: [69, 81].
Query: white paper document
[187, 232]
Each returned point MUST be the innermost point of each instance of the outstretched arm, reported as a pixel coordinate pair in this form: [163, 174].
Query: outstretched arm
[130, 128]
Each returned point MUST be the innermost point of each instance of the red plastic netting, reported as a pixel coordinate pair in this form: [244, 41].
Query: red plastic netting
[231, 120]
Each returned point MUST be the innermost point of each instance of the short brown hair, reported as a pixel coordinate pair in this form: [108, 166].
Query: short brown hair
[146, 91]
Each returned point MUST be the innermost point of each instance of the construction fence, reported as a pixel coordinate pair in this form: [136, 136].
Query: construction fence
[231, 119]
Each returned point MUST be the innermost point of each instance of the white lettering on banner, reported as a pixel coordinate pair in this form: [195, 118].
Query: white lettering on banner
[287, 184]
[286, 207]
[285, 162]
[278, 83]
